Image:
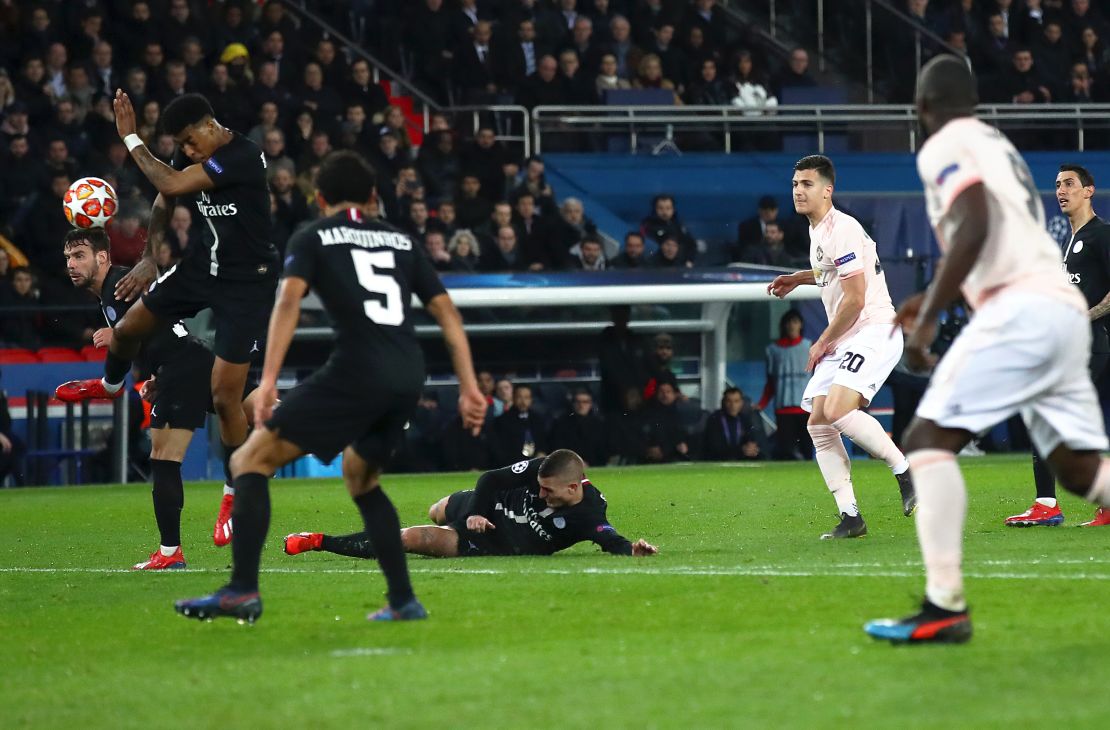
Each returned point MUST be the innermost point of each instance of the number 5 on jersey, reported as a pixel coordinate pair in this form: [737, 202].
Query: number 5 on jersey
[367, 266]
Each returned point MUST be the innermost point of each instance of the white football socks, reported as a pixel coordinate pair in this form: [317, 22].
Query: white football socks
[870, 435]
[168, 551]
[110, 387]
[941, 511]
[228, 489]
[836, 468]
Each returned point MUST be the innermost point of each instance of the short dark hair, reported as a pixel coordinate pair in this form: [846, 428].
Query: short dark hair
[185, 111]
[730, 389]
[823, 165]
[591, 238]
[96, 238]
[768, 202]
[789, 316]
[563, 463]
[630, 234]
[345, 177]
[519, 386]
[659, 197]
[1086, 179]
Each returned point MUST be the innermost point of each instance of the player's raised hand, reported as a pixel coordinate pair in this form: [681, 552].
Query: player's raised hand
[782, 285]
[477, 523]
[102, 337]
[472, 408]
[125, 114]
[265, 396]
[642, 548]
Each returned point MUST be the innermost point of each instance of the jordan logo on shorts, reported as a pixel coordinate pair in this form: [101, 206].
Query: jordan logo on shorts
[254, 347]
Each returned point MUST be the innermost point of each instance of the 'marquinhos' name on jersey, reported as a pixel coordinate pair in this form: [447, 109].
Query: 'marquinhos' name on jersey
[364, 238]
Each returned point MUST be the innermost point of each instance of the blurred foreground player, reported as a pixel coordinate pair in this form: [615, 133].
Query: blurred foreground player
[234, 272]
[365, 273]
[535, 507]
[1087, 262]
[1025, 350]
[855, 354]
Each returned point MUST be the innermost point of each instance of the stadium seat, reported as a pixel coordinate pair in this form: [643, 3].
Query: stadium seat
[94, 354]
[59, 354]
[18, 356]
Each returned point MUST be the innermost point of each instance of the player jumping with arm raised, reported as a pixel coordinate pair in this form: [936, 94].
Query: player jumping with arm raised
[234, 272]
[855, 354]
[535, 507]
[1025, 350]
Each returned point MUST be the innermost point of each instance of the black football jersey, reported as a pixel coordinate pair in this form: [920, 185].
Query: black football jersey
[170, 341]
[1087, 261]
[365, 273]
[525, 525]
[237, 227]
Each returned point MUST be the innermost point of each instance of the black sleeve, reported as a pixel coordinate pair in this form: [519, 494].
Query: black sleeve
[301, 254]
[425, 281]
[236, 163]
[492, 483]
[608, 539]
[1104, 248]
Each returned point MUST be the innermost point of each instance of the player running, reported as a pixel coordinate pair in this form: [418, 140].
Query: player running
[180, 365]
[855, 354]
[365, 272]
[1025, 350]
[535, 507]
[1087, 261]
[234, 272]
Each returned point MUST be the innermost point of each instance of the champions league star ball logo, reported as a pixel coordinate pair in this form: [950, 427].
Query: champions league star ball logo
[1059, 229]
[520, 467]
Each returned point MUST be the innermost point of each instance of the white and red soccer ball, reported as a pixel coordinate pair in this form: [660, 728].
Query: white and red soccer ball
[90, 203]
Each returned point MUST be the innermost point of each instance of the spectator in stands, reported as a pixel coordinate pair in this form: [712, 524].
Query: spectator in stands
[229, 100]
[148, 121]
[484, 157]
[445, 215]
[666, 438]
[438, 164]
[998, 50]
[465, 251]
[621, 362]
[580, 85]
[672, 61]
[291, 207]
[1023, 83]
[752, 230]
[535, 183]
[174, 78]
[505, 254]
[649, 75]
[786, 381]
[503, 395]
[707, 89]
[21, 176]
[429, 36]
[30, 89]
[519, 56]
[622, 47]
[632, 257]
[1079, 87]
[697, 52]
[472, 209]
[543, 88]
[571, 228]
[355, 133]
[21, 328]
[706, 16]
[273, 148]
[585, 46]
[313, 94]
[127, 235]
[664, 222]
[268, 117]
[436, 249]
[476, 65]
[588, 255]
[518, 433]
[1092, 51]
[387, 159]
[500, 216]
[1081, 15]
[17, 123]
[730, 432]
[608, 79]
[46, 225]
[1051, 52]
[771, 251]
[657, 364]
[361, 89]
[266, 87]
[750, 88]
[418, 223]
[581, 431]
[181, 234]
[532, 231]
[670, 256]
[333, 67]
[5, 267]
[796, 74]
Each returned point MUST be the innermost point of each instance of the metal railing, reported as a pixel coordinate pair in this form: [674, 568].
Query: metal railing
[512, 123]
[866, 124]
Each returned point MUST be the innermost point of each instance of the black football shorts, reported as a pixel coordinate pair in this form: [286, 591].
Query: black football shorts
[241, 309]
[183, 390]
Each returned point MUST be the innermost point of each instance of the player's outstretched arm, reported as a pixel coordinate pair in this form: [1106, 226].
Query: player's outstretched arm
[145, 271]
[472, 404]
[968, 233]
[783, 285]
[165, 179]
[283, 322]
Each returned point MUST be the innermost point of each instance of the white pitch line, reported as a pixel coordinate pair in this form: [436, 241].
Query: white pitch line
[831, 571]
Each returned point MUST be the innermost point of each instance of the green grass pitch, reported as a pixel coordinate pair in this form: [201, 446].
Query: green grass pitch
[745, 619]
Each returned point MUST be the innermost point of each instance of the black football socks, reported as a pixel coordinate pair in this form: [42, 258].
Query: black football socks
[169, 498]
[357, 545]
[251, 515]
[384, 528]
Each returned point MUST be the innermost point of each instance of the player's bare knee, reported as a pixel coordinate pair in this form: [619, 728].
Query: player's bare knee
[437, 513]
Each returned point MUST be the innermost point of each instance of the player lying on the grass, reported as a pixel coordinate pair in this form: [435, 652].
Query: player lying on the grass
[179, 391]
[365, 273]
[1025, 350]
[1087, 261]
[234, 271]
[535, 507]
[855, 354]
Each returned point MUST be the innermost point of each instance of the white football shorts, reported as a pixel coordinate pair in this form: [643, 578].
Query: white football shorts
[862, 363]
[1026, 353]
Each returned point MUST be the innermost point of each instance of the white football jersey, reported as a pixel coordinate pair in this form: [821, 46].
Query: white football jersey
[1018, 251]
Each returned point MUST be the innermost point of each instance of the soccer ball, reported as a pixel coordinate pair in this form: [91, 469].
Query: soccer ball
[90, 203]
